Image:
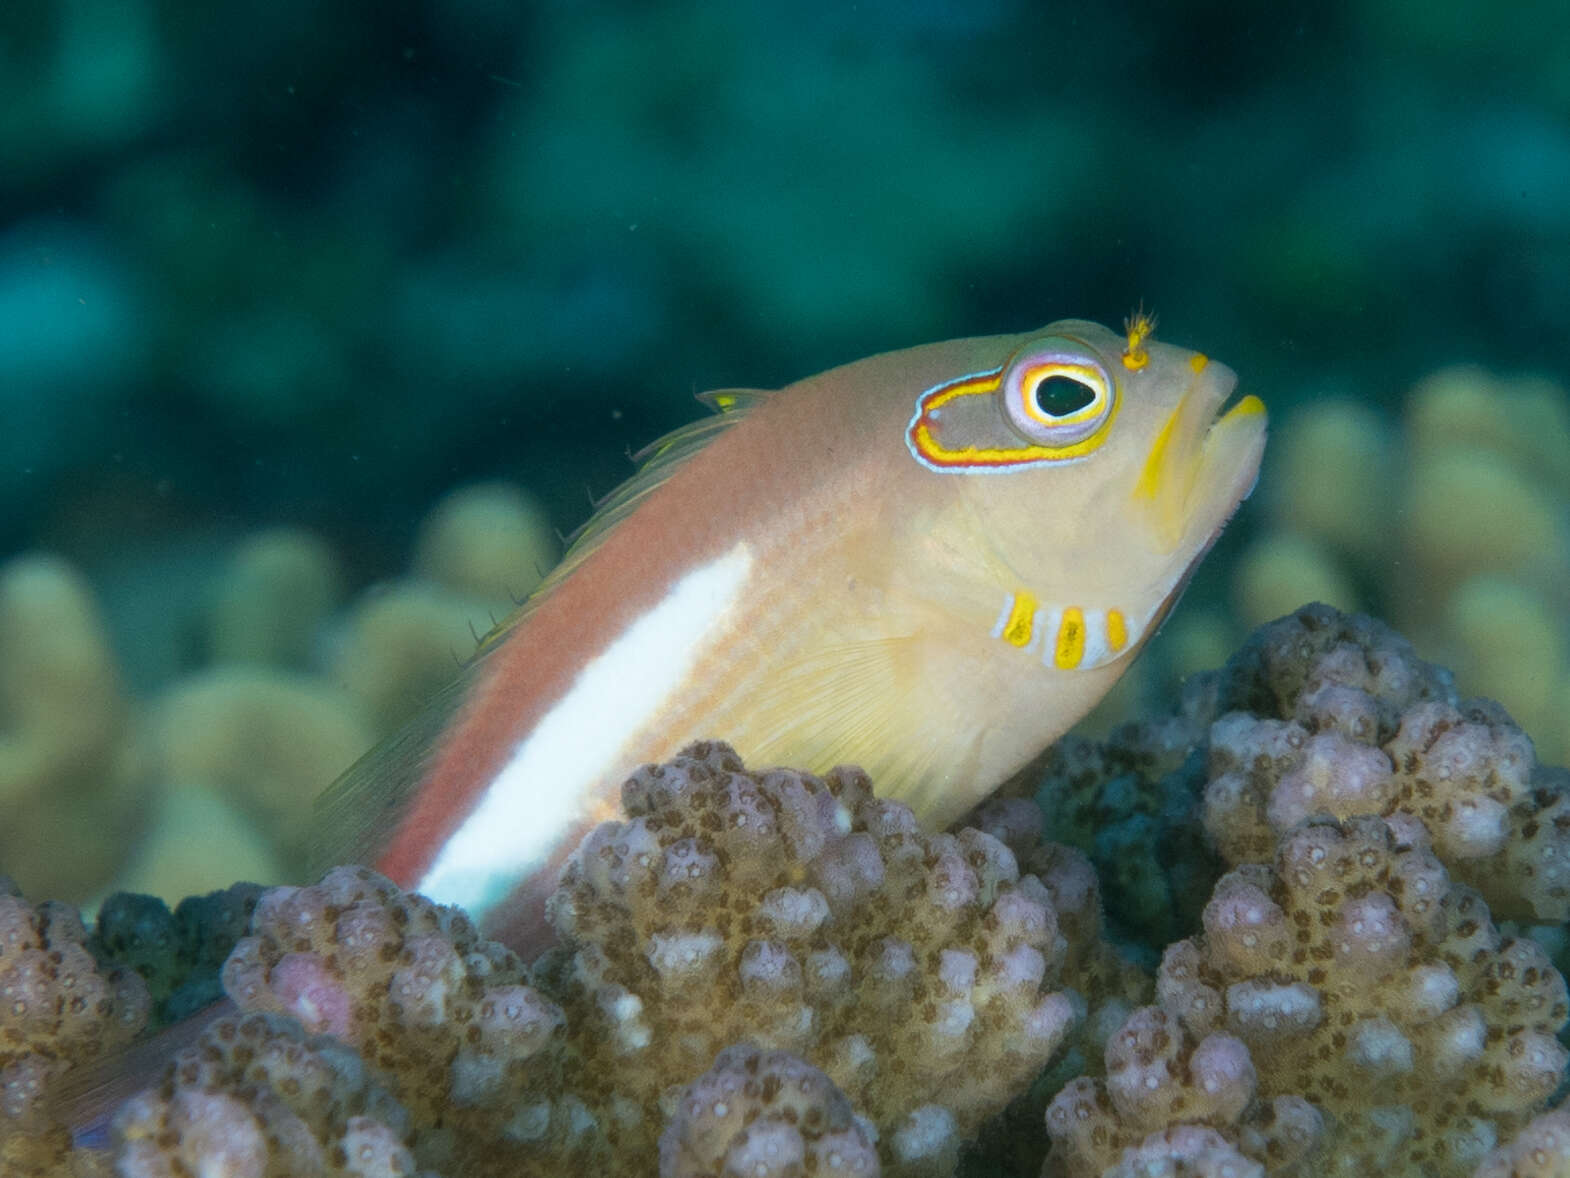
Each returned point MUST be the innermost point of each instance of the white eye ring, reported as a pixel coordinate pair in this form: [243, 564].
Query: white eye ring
[1056, 396]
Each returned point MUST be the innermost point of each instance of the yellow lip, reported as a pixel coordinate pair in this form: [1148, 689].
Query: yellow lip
[1200, 468]
[1235, 444]
[1247, 407]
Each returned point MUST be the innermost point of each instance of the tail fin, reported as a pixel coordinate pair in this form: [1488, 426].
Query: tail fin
[86, 1098]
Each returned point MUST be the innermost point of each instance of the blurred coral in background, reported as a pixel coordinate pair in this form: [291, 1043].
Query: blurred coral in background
[213, 777]
[1454, 523]
[320, 325]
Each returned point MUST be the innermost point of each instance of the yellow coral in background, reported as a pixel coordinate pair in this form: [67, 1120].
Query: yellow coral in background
[1332, 473]
[271, 599]
[72, 786]
[490, 540]
[480, 550]
[216, 777]
[1457, 526]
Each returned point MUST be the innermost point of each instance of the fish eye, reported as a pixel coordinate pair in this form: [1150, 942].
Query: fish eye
[1056, 395]
[1061, 396]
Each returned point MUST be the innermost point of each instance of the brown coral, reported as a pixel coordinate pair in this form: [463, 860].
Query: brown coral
[57, 1009]
[778, 909]
[806, 915]
[1541, 1150]
[446, 1016]
[1362, 979]
[1329, 714]
[256, 1097]
[1168, 1096]
[765, 1114]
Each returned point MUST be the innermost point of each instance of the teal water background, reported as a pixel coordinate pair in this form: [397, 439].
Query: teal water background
[294, 263]
[285, 259]
[316, 265]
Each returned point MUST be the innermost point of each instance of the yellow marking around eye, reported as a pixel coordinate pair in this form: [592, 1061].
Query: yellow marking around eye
[1017, 630]
[1117, 630]
[1198, 362]
[922, 443]
[1071, 639]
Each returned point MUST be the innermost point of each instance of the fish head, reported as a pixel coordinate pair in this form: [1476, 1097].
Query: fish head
[1094, 471]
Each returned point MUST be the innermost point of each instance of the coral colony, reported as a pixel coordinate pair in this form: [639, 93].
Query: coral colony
[772, 973]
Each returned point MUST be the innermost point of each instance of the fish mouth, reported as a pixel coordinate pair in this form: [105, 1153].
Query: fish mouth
[1204, 462]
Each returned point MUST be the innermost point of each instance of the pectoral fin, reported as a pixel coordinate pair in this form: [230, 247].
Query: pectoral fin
[857, 702]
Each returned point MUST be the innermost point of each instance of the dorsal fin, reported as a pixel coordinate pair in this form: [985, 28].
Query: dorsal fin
[657, 461]
[734, 400]
[356, 815]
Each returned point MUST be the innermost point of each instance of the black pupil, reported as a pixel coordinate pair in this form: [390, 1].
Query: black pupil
[1058, 396]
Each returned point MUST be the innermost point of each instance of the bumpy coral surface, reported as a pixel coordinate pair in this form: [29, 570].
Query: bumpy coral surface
[779, 910]
[1328, 714]
[1541, 1150]
[57, 1009]
[1106, 978]
[1362, 979]
[466, 1045]
[1349, 1005]
[912, 974]
[256, 1097]
[765, 1114]
[1171, 1099]
[806, 915]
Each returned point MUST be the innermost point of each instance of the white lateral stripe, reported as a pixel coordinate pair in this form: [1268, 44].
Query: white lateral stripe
[540, 791]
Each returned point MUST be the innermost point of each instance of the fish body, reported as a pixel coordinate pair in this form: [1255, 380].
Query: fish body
[929, 563]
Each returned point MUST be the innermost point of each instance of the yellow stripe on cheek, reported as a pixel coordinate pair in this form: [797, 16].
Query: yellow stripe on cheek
[1154, 471]
[1071, 639]
[1117, 630]
[1017, 630]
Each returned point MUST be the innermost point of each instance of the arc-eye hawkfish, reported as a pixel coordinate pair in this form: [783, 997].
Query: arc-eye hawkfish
[929, 563]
